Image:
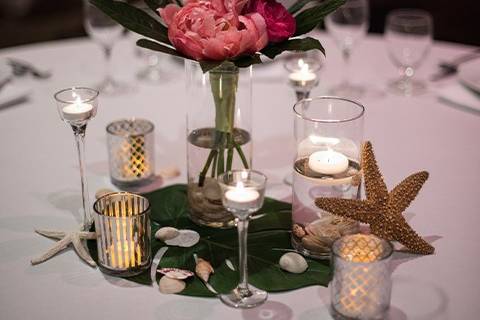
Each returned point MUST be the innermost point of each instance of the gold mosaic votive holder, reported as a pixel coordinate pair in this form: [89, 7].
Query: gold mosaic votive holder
[361, 285]
[131, 152]
[122, 224]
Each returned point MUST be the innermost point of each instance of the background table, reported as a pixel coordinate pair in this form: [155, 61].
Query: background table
[39, 186]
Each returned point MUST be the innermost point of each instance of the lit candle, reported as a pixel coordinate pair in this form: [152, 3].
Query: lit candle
[241, 198]
[77, 111]
[304, 76]
[328, 162]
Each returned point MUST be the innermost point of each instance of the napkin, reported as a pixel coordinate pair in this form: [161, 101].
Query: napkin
[12, 94]
[459, 95]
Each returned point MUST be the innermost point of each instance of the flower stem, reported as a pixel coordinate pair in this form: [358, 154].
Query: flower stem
[230, 151]
[203, 173]
[241, 154]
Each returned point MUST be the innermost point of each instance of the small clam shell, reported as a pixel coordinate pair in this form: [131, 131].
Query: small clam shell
[186, 238]
[166, 233]
[175, 273]
[298, 231]
[293, 262]
[229, 264]
[101, 192]
[314, 244]
[203, 269]
[168, 285]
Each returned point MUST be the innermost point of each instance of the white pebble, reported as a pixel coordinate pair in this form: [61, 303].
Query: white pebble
[186, 238]
[293, 262]
[168, 285]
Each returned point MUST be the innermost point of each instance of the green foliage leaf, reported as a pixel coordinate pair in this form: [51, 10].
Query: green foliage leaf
[272, 230]
[152, 45]
[304, 44]
[297, 6]
[155, 4]
[133, 19]
[209, 65]
[308, 19]
[247, 61]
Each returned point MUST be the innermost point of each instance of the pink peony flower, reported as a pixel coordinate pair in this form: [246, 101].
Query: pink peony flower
[280, 23]
[214, 29]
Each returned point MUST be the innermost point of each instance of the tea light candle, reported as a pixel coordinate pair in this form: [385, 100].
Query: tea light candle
[304, 77]
[241, 198]
[328, 162]
[77, 111]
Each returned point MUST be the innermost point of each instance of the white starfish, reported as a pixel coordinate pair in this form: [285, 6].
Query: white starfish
[65, 238]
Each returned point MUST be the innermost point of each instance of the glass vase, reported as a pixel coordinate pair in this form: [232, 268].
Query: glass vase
[328, 134]
[219, 114]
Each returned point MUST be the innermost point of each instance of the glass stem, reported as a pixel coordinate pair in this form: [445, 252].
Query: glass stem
[79, 133]
[242, 226]
[407, 74]
[346, 53]
[107, 51]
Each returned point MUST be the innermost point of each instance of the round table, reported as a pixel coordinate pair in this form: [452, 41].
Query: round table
[40, 186]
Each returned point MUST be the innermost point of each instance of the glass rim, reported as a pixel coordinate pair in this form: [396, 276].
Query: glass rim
[220, 177]
[150, 128]
[95, 94]
[398, 15]
[117, 193]
[301, 102]
[384, 257]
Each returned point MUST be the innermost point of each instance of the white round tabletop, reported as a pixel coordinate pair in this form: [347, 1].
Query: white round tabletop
[40, 186]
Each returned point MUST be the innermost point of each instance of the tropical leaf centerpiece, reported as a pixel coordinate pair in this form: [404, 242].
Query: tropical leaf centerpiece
[269, 239]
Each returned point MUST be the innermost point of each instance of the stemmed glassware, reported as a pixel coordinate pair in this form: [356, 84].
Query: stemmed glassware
[103, 30]
[243, 194]
[348, 25]
[408, 33]
[76, 107]
[303, 70]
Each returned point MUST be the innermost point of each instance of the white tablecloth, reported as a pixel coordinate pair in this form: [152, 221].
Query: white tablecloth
[40, 186]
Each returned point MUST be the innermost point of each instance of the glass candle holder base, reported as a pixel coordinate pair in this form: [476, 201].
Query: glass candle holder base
[125, 185]
[244, 298]
[126, 273]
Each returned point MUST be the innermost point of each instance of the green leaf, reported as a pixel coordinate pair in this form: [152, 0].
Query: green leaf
[133, 19]
[209, 65]
[304, 44]
[155, 4]
[170, 208]
[297, 6]
[247, 61]
[308, 19]
[152, 45]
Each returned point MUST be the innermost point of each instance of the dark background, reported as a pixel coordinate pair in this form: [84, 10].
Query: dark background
[28, 21]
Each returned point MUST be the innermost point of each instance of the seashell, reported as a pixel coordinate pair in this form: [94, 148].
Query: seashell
[186, 238]
[168, 285]
[323, 229]
[293, 262]
[166, 233]
[298, 231]
[175, 273]
[169, 172]
[203, 269]
[314, 244]
[229, 264]
[212, 190]
[102, 192]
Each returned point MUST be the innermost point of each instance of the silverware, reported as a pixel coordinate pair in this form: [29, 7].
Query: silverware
[21, 68]
[155, 262]
[450, 68]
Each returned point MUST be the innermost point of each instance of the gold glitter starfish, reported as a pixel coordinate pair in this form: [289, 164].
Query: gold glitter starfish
[381, 209]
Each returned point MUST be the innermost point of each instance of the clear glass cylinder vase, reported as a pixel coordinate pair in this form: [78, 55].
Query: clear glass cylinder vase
[219, 122]
[328, 133]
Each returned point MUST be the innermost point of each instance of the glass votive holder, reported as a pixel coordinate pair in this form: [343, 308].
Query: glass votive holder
[328, 136]
[122, 223]
[131, 152]
[361, 285]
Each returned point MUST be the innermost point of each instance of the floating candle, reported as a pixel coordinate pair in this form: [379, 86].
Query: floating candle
[328, 162]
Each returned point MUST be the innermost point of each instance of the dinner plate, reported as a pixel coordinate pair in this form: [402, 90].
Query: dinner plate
[469, 75]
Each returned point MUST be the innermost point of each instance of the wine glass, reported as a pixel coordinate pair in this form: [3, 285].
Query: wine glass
[106, 32]
[242, 194]
[408, 33]
[76, 107]
[348, 25]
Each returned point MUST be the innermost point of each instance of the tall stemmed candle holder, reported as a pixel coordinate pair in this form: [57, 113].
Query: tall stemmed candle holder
[303, 69]
[328, 134]
[361, 285]
[242, 194]
[76, 107]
